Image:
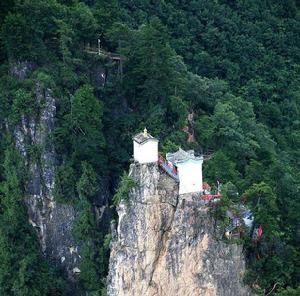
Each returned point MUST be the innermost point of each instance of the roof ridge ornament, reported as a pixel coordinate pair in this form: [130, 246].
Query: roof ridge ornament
[145, 147]
[145, 133]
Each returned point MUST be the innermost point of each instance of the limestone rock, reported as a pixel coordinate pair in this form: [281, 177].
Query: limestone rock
[53, 221]
[165, 244]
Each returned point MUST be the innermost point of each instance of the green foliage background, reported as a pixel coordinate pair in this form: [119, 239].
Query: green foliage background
[234, 64]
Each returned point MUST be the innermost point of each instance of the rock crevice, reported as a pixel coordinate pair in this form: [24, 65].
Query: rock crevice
[162, 247]
[53, 221]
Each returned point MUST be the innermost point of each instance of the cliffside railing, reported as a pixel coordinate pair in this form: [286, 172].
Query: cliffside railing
[102, 52]
[209, 197]
[171, 171]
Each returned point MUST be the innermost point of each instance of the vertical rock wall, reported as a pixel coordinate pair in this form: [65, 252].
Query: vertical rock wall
[53, 221]
[165, 244]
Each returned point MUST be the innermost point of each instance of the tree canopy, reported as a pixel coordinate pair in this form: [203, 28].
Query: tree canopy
[232, 65]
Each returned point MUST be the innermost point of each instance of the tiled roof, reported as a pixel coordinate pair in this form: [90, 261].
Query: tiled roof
[141, 138]
[182, 155]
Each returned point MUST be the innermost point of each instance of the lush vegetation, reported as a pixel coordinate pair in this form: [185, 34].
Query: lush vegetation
[126, 183]
[23, 270]
[233, 64]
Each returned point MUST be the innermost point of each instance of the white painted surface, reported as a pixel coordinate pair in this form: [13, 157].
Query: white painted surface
[248, 221]
[146, 152]
[190, 176]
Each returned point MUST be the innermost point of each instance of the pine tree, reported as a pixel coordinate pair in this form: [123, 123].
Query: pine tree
[23, 271]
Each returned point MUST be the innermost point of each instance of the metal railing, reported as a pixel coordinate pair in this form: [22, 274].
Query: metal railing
[100, 51]
[165, 166]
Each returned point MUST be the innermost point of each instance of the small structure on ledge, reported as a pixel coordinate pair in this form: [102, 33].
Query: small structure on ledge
[208, 195]
[206, 188]
[189, 167]
[168, 168]
[185, 167]
[242, 220]
[145, 148]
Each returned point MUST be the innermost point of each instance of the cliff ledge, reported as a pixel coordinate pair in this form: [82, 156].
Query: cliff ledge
[165, 244]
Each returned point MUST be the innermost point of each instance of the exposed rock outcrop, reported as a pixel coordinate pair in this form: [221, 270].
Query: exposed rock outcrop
[21, 70]
[53, 221]
[165, 244]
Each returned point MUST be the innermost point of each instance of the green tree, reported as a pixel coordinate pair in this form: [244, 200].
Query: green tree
[65, 180]
[95, 251]
[23, 270]
[87, 186]
[262, 199]
[288, 292]
[81, 127]
[220, 168]
[83, 22]
[126, 183]
[268, 249]
[151, 76]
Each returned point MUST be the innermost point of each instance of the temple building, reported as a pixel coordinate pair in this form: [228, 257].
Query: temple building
[189, 169]
[145, 148]
[183, 166]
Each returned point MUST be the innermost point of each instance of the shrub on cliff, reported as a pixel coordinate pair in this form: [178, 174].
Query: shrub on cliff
[122, 192]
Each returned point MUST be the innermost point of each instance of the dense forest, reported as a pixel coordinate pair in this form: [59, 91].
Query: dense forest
[234, 65]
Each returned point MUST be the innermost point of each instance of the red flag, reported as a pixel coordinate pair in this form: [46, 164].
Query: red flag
[260, 231]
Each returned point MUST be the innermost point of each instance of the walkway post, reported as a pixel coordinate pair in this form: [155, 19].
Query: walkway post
[99, 46]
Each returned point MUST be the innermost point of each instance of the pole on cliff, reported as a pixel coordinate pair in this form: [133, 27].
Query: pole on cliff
[99, 46]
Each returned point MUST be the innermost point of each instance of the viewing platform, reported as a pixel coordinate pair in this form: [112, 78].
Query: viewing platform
[171, 171]
[104, 53]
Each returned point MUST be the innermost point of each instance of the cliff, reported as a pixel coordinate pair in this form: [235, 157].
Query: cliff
[165, 244]
[52, 220]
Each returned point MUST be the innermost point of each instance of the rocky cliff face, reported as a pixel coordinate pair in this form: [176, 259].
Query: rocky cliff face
[53, 221]
[165, 244]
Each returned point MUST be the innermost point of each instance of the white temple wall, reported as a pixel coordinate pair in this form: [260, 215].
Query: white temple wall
[190, 176]
[147, 152]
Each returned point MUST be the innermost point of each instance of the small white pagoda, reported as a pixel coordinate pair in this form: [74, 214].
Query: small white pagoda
[189, 169]
[145, 148]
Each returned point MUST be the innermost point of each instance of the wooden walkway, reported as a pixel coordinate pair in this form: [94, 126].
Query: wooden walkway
[167, 169]
[102, 52]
